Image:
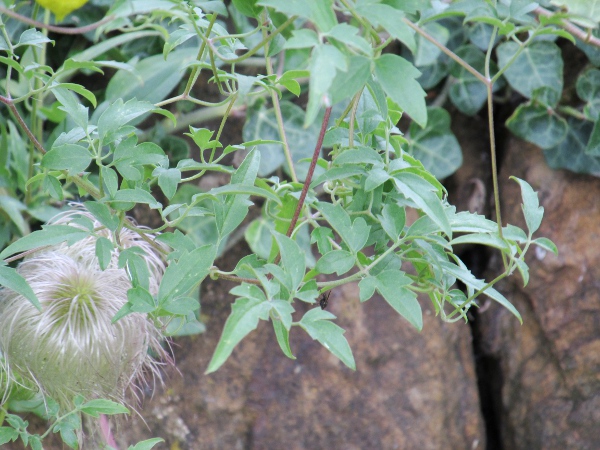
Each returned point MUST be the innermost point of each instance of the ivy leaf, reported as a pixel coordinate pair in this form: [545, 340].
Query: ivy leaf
[588, 90]
[354, 234]
[261, 123]
[244, 317]
[317, 324]
[535, 123]
[398, 78]
[435, 145]
[571, 152]
[532, 210]
[540, 65]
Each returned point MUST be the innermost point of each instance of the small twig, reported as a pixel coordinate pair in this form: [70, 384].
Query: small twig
[54, 28]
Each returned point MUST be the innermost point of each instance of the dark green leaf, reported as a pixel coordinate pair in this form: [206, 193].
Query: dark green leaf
[535, 123]
[435, 145]
[540, 65]
[103, 214]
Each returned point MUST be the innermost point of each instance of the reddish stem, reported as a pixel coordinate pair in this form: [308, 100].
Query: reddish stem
[8, 102]
[311, 170]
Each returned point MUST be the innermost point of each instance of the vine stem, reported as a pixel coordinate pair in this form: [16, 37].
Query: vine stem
[311, 170]
[8, 102]
[54, 28]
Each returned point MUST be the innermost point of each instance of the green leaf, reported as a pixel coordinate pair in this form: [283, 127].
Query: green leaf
[317, 324]
[588, 90]
[247, 7]
[303, 38]
[350, 36]
[424, 195]
[262, 124]
[354, 234]
[391, 284]
[391, 19]
[583, 12]
[325, 61]
[8, 434]
[102, 406]
[235, 208]
[398, 78]
[546, 244]
[435, 145]
[245, 313]
[32, 37]
[72, 106]
[111, 180]
[10, 279]
[292, 258]
[393, 219]
[320, 12]
[346, 84]
[540, 65]
[152, 79]
[168, 179]
[532, 210]
[181, 306]
[104, 249]
[283, 338]
[136, 195]
[140, 300]
[322, 236]
[571, 152]
[468, 93]
[71, 157]
[535, 123]
[338, 261]
[104, 215]
[49, 235]
[425, 52]
[148, 444]
[183, 275]
[473, 283]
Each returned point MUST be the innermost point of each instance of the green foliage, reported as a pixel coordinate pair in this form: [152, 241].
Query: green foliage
[334, 205]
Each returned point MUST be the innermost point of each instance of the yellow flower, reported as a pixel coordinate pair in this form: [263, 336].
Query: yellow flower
[61, 8]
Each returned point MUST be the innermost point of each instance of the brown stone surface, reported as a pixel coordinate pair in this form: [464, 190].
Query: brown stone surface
[551, 364]
[411, 390]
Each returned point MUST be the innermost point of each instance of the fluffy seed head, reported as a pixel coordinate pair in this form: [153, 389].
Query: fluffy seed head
[71, 347]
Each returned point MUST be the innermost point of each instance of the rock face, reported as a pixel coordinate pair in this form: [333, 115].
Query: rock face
[411, 390]
[550, 366]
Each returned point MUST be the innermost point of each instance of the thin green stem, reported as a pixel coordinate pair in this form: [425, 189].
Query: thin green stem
[277, 109]
[196, 71]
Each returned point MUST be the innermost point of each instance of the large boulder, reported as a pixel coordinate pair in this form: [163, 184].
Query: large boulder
[550, 365]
